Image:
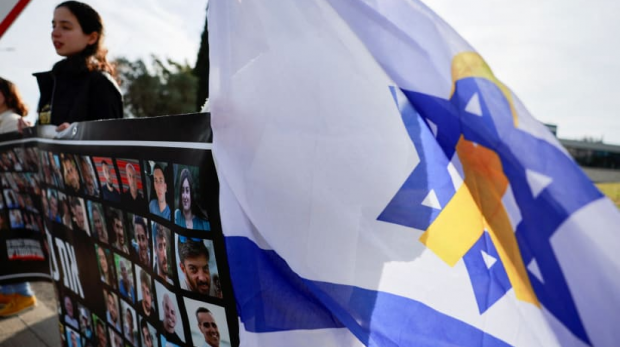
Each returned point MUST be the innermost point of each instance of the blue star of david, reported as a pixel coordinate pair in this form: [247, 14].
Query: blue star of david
[542, 214]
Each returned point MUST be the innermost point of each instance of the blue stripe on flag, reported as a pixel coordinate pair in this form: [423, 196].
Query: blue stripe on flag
[271, 297]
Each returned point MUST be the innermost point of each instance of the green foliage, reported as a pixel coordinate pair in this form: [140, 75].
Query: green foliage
[163, 88]
[201, 70]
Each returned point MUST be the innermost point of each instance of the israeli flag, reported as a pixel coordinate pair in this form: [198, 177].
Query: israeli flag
[380, 187]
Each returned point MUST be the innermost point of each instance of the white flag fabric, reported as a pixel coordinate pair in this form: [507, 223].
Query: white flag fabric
[380, 187]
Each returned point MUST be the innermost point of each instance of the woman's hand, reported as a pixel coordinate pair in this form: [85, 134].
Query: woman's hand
[62, 127]
[22, 123]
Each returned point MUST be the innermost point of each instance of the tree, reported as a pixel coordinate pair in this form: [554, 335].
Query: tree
[156, 90]
[201, 70]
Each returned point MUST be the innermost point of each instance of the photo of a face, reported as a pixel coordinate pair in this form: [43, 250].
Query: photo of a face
[70, 316]
[18, 182]
[169, 315]
[158, 177]
[106, 266]
[78, 211]
[146, 302]
[116, 229]
[71, 174]
[56, 170]
[21, 200]
[16, 220]
[101, 331]
[46, 168]
[148, 334]
[5, 162]
[53, 205]
[189, 212]
[125, 278]
[16, 160]
[112, 314]
[116, 339]
[140, 239]
[207, 323]
[97, 222]
[130, 331]
[132, 188]
[161, 249]
[29, 203]
[32, 159]
[66, 216]
[11, 181]
[86, 322]
[45, 204]
[3, 180]
[73, 338]
[197, 267]
[89, 178]
[10, 198]
[107, 179]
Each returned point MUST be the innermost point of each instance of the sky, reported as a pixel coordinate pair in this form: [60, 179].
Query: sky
[560, 57]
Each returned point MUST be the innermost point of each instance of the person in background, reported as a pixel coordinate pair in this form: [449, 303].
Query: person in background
[15, 297]
[80, 87]
[12, 108]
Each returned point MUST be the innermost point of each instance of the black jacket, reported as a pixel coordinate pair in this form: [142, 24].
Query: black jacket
[71, 93]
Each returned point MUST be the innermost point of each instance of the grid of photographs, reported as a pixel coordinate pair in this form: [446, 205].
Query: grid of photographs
[154, 249]
[21, 191]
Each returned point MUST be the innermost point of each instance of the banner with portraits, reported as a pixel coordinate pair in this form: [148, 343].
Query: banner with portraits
[122, 216]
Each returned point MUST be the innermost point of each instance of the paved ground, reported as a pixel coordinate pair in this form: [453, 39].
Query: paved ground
[37, 327]
[598, 175]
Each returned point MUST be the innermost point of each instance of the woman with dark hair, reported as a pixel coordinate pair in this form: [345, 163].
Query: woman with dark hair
[12, 108]
[187, 215]
[105, 266]
[80, 87]
[15, 297]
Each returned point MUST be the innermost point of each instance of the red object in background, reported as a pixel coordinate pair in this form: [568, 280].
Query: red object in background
[121, 168]
[99, 168]
[12, 14]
